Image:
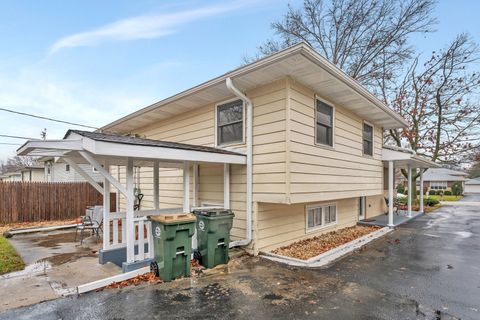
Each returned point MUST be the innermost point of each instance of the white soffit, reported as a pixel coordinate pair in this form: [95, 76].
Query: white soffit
[299, 62]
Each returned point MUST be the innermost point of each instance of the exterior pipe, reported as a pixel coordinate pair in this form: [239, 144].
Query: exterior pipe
[249, 215]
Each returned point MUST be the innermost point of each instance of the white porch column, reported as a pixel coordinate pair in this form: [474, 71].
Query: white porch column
[390, 194]
[409, 190]
[421, 191]
[195, 186]
[186, 186]
[156, 194]
[130, 231]
[226, 186]
[106, 208]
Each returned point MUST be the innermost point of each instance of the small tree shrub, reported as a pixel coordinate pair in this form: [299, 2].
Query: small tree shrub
[457, 189]
[447, 193]
[400, 188]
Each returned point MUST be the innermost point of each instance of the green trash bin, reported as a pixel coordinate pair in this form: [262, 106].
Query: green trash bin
[213, 236]
[172, 237]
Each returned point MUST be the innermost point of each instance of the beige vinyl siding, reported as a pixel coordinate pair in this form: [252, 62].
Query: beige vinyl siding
[282, 224]
[375, 206]
[320, 173]
[198, 127]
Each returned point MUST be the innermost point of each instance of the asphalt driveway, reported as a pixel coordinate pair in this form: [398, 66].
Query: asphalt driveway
[426, 269]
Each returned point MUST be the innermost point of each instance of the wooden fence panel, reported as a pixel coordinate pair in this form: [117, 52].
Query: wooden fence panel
[43, 201]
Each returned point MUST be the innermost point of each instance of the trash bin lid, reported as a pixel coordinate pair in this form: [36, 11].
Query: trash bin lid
[213, 212]
[173, 217]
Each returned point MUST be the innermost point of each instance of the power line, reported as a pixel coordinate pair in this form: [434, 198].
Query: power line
[17, 137]
[46, 118]
[10, 144]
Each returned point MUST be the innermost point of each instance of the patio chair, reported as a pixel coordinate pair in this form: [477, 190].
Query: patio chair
[93, 223]
[395, 205]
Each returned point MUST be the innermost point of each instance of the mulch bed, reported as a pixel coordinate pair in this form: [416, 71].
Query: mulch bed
[309, 248]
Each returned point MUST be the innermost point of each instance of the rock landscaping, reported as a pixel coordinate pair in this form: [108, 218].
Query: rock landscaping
[309, 248]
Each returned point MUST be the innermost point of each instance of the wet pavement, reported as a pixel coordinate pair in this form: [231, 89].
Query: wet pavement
[428, 268]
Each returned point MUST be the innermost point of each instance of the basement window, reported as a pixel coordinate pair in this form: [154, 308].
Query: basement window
[319, 216]
[367, 139]
[230, 123]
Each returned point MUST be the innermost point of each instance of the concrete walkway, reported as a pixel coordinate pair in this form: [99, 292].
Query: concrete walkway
[56, 265]
[382, 220]
[428, 268]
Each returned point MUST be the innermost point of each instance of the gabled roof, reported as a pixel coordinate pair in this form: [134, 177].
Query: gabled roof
[299, 62]
[444, 174]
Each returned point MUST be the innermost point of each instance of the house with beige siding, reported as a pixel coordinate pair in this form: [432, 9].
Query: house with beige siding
[290, 143]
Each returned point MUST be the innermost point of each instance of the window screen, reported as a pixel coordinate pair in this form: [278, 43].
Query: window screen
[367, 139]
[230, 122]
[324, 123]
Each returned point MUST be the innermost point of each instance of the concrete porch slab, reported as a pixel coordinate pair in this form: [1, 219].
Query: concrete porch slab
[382, 220]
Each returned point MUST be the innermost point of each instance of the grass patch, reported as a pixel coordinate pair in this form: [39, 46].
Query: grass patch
[9, 258]
[445, 198]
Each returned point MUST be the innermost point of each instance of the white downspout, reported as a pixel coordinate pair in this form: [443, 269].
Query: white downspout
[249, 141]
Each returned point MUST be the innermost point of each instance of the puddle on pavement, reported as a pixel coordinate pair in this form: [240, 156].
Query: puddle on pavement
[70, 257]
[54, 240]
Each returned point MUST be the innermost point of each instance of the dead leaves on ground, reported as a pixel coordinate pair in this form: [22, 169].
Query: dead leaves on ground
[149, 277]
[309, 248]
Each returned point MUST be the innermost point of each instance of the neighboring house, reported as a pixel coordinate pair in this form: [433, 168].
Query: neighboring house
[472, 186]
[12, 177]
[33, 174]
[290, 143]
[58, 171]
[443, 178]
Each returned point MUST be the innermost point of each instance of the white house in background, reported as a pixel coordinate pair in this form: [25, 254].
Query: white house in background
[59, 171]
[472, 186]
[11, 177]
[26, 174]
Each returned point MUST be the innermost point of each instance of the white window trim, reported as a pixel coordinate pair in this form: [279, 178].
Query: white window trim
[323, 226]
[238, 143]
[334, 113]
[373, 139]
[434, 185]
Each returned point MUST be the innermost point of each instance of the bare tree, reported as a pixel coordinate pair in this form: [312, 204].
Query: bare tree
[365, 38]
[15, 163]
[440, 100]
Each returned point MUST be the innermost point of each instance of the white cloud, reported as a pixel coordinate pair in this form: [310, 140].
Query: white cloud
[142, 27]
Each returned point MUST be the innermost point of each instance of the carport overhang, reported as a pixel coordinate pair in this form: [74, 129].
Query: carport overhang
[400, 158]
[101, 150]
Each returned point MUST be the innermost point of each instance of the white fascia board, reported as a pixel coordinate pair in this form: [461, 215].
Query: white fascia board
[48, 146]
[103, 148]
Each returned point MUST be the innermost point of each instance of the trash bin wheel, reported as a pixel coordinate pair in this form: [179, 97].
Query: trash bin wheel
[154, 268]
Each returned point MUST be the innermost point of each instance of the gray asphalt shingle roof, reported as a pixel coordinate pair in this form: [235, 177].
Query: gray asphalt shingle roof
[444, 174]
[114, 138]
[473, 181]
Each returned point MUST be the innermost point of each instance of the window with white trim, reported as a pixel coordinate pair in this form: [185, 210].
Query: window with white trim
[230, 122]
[438, 185]
[367, 139]
[320, 216]
[324, 123]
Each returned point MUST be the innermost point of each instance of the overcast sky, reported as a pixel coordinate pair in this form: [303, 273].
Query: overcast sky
[92, 62]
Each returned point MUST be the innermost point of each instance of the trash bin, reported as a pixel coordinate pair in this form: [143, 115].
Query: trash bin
[213, 236]
[172, 237]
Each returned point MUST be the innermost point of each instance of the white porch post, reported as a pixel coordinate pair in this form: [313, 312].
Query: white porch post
[226, 186]
[390, 194]
[130, 231]
[421, 191]
[106, 209]
[156, 194]
[409, 190]
[186, 186]
[195, 186]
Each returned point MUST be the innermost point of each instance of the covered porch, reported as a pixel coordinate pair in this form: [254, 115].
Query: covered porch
[399, 158]
[127, 235]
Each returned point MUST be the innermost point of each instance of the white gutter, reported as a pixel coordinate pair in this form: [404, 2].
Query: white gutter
[249, 215]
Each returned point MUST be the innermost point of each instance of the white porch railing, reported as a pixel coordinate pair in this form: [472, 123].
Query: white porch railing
[143, 231]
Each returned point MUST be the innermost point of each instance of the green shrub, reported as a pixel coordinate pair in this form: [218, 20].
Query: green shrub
[430, 202]
[432, 192]
[447, 193]
[400, 188]
[457, 189]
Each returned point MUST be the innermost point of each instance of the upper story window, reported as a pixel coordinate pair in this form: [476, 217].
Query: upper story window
[367, 139]
[324, 123]
[67, 167]
[230, 123]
